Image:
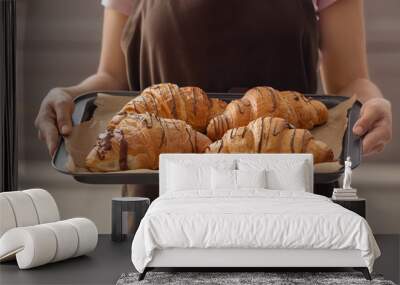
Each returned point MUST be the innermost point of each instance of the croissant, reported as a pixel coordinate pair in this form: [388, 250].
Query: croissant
[298, 110]
[139, 139]
[271, 135]
[189, 104]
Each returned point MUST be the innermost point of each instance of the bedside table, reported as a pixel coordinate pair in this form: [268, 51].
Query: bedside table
[357, 206]
[121, 208]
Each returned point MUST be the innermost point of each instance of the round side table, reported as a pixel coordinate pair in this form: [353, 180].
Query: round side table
[127, 212]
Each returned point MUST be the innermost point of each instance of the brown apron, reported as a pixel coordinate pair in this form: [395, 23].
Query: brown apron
[220, 45]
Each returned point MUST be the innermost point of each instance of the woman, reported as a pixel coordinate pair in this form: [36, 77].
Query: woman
[223, 45]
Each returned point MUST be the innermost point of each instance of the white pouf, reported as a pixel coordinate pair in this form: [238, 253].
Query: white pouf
[67, 237]
[45, 205]
[40, 244]
[7, 216]
[26, 208]
[31, 230]
[87, 234]
[22, 207]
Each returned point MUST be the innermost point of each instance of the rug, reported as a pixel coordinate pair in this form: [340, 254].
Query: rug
[244, 278]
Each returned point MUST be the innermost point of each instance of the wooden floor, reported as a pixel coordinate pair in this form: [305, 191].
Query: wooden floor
[110, 260]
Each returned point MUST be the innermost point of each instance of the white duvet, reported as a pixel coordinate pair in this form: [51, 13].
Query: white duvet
[250, 219]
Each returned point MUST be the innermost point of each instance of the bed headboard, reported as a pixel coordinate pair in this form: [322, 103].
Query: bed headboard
[202, 159]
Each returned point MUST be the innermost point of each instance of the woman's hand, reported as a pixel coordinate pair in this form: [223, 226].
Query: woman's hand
[344, 71]
[54, 117]
[375, 124]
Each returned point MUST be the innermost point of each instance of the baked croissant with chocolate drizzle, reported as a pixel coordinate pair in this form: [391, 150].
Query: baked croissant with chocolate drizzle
[271, 135]
[189, 104]
[139, 139]
[258, 102]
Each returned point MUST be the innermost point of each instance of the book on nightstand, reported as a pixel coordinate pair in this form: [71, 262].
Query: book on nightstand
[344, 194]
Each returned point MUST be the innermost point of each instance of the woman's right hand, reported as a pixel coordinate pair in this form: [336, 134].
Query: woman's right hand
[54, 117]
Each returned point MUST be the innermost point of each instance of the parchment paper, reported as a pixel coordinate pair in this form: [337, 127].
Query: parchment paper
[83, 136]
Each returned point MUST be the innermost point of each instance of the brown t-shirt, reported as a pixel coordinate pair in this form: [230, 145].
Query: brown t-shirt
[224, 44]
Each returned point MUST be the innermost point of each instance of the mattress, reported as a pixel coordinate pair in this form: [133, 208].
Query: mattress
[251, 219]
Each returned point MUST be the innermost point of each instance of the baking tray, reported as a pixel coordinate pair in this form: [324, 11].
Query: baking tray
[84, 109]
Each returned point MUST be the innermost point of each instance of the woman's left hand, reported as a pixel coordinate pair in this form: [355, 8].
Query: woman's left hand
[375, 124]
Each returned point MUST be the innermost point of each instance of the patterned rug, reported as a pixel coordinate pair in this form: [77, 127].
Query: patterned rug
[243, 278]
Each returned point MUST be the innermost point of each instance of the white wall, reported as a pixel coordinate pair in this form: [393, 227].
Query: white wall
[380, 185]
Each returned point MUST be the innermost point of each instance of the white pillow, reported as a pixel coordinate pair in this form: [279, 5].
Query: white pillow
[223, 179]
[292, 179]
[251, 178]
[186, 175]
[290, 175]
[182, 177]
[228, 179]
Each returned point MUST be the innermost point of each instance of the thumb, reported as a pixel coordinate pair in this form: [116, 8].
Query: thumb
[63, 114]
[367, 118]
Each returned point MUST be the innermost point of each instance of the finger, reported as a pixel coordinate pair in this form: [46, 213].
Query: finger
[374, 138]
[377, 149]
[63, 112]
[49, 133]
[368, 117]
[40, 136]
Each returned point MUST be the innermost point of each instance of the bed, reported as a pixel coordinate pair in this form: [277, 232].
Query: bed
[246, 211]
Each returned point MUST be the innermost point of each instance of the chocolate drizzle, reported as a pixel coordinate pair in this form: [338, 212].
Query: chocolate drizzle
[130, 105]
[175, 125]
[218, 124]
[226, 122]
[273, 95]
[190, 139]
[215, 124]
[274, 133]
[174, 112]
[154, 102]
[238, 107]
[163, 136]
[303, 141]
[148, 120]
[261, 136]
[134, 106]
[233, 133]
[244, 132]
[104, 144]
[259, 92]
[292, 141]
[221, 144]
[123, 149]
[290, 126]
[269, 131]
[145, 103]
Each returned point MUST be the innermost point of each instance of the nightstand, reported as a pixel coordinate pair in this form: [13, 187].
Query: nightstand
[357, 206]
[122, 208]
